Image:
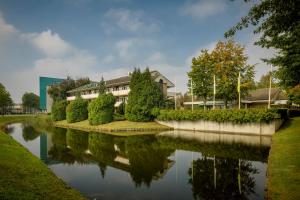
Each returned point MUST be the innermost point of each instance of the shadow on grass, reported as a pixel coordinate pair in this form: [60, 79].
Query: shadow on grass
[287, 124]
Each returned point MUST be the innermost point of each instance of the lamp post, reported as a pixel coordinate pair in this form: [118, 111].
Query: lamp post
[175, 97]
[239, 89]
[192, 94]
[270, 88]
[214, 102]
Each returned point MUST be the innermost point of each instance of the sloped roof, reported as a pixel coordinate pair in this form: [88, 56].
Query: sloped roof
[117, 81]
[263, 94]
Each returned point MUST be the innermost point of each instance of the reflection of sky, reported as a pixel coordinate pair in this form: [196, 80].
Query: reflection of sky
[118, 184]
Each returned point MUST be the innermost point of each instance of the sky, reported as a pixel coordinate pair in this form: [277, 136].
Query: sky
[109, 38]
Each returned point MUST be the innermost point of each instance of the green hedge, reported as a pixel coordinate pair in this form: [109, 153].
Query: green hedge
[58, 111]
[77, 111]
[294, 113]
[101, 110]
[234, 115]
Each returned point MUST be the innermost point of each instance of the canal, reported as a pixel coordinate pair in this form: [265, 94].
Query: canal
[167, 165]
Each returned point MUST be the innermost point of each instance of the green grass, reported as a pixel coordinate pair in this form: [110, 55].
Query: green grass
[23, 176]
[284, 162]
[123, 128]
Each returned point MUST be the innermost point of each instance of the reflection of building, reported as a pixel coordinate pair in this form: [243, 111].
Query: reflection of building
[45, 146]
[260, 98]
[119, 87]
[45, 99]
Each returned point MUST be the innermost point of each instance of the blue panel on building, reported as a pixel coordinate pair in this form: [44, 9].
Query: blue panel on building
[44, 82]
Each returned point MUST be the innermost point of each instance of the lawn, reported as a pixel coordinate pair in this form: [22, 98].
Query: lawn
[284, 162]
[24, 176]
[116, 127]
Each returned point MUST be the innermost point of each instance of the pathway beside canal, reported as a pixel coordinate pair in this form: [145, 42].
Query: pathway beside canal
[284, 162]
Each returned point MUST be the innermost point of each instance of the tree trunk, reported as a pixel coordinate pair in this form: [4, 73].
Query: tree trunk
[225, 103]
[204, 103]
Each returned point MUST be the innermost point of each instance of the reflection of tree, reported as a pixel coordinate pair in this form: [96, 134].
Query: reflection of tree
[29, 133]
[58, 136]
[59, 150]
[146, 158]
[102, 148]
[221, 178]
[78, 141]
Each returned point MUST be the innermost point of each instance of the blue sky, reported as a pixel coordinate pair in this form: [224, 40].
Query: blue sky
[109, 38]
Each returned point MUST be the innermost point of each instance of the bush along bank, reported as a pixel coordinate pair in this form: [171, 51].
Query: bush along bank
[235, 116]
[250, 121]
[77, 110]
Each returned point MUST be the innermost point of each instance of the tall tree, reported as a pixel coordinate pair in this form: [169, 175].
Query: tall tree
[202, 75]
[5, 99]
[144, 95]
[82, 81]
[264, 81]
[229, 60]
[102, 86]
[278, 23]
[30, 101]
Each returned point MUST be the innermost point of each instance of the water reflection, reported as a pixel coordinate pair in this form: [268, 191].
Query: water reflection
[209, 166]
[219, 178]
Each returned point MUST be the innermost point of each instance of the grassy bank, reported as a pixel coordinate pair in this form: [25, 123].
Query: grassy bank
[23, 176]
[116, 128]
[284, 162]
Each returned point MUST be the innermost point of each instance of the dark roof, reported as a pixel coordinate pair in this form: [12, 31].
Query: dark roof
[124, 80]
[118, 81]
[263, 94]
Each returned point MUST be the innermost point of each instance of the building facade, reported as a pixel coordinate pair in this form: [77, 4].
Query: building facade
[119, 87]
[45, 100]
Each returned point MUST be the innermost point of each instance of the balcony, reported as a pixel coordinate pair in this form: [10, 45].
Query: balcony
[120, 92]
[84, 96]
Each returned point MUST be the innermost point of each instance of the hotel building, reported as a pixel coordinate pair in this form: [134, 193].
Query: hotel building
[119, 87]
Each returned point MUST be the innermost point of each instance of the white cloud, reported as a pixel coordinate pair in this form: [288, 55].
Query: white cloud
[22, 63]
[210, 46]
[255, 54]
[108, 59]
[50, 43]
[128, 48]
[128, 20]
[156, 57]
[6, 28]
[201, 9]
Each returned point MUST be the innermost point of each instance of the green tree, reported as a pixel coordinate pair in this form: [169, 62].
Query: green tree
[264, 81]
[229, 60]
[77, 111]
[144, 95]
[5, 99]
[30, 101]
[59, 91]
[102, 86]
[294, 94]
[278, 23]
[101, 109]
[202, 75]
[58, 111]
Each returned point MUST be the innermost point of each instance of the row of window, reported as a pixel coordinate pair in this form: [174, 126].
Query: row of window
[111, 89]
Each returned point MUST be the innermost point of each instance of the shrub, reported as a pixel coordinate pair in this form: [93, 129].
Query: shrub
[234, 115]
[294, 113]
[59, 110]
[77, 111]
[118, 117]
[101, 110]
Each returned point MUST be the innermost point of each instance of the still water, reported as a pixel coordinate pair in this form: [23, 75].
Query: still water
[168, 165]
